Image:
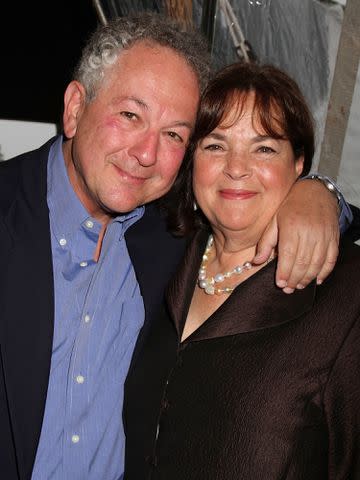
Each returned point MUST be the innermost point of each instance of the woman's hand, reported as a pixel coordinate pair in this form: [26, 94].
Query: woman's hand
[305, 232]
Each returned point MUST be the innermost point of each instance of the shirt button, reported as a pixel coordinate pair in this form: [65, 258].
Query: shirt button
[83, 264]
[80, 379]
[87, 318]
[62, 242]
[89, 224]
[75, 439]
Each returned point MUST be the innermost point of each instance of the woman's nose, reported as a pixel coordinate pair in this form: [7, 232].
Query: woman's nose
[237, 166]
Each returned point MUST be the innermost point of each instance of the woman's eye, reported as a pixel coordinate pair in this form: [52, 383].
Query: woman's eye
[129, 115]
[213, 147]
[265, 149]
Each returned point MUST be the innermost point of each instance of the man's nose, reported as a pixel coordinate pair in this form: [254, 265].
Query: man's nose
[145, 148]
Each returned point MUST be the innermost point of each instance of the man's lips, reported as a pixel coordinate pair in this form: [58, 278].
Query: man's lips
[132, 179]
[233, 194]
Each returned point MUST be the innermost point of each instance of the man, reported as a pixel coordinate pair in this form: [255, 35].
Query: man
[84, 262]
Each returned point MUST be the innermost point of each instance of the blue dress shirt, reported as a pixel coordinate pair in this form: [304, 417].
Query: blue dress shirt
[98, 314]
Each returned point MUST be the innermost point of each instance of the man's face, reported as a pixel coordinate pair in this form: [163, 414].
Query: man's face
[126, 145]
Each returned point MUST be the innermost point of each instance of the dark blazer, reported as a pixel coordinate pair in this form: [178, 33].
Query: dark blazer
[353, 231]
[27, 299]
[267, 388]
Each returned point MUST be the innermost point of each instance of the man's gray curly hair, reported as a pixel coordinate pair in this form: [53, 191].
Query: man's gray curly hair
[107, 42]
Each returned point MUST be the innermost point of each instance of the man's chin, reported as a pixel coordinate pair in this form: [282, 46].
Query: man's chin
[122, 206]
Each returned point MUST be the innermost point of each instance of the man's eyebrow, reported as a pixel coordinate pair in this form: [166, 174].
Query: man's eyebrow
[188, 125]
[138, 101]
[144, 106]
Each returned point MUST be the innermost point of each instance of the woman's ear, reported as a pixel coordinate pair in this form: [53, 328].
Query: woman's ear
[74, 101]
[299, 165]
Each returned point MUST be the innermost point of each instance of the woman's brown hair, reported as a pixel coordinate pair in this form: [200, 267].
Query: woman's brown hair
[279, 107]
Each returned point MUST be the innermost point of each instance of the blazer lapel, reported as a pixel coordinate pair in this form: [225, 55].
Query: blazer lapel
[27, 309]
[255, 304]
[155, 255]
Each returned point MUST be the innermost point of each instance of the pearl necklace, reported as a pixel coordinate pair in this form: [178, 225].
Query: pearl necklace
[208, 284]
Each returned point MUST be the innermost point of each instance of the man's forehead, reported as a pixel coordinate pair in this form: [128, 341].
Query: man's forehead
[144, 54]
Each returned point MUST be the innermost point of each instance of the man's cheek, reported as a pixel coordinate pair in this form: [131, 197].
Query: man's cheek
[177, 159]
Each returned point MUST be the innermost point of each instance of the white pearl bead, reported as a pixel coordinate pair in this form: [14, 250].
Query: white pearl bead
[219, 277]
[208, 283]
[210, 290]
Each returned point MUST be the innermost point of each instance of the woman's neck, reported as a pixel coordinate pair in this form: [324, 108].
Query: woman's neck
[229, 250]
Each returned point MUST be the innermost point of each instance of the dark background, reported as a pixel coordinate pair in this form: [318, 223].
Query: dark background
[40, 43]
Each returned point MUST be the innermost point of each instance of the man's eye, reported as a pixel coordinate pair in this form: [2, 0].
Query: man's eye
[265, 149]
[175, 136]
[129, 115]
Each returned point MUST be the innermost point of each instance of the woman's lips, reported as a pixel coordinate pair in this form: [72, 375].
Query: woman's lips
[231, 194]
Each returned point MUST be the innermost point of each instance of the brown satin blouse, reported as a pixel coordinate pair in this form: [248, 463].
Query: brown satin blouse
[268, 388]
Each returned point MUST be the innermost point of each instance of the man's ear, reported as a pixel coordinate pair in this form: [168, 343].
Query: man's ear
[74, 101]
[299, 165]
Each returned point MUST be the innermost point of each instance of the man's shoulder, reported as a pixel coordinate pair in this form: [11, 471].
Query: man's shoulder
[153, 225]
[349, 254]
[353, 232]
[18, 170]
[9, 181]
[342, 285]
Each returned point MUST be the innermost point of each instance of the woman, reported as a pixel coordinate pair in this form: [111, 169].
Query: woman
[253, 384]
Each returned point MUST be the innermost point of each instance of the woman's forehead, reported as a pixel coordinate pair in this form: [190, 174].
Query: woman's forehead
[265, 115]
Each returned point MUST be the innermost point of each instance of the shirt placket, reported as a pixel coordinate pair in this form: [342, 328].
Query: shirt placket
[78, 391]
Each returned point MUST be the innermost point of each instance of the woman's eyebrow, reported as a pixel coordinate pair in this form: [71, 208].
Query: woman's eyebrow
[261, 138]
[216, 136]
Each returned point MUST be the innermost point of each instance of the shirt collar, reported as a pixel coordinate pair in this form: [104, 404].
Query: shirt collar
[66, 210]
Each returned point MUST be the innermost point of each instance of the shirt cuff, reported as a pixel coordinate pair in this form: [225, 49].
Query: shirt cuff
[345, 216]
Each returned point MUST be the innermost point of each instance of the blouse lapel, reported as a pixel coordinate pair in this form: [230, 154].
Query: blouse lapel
[181, 288]
[255, 304]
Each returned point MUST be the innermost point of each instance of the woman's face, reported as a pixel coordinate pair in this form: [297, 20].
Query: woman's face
[241, 175]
